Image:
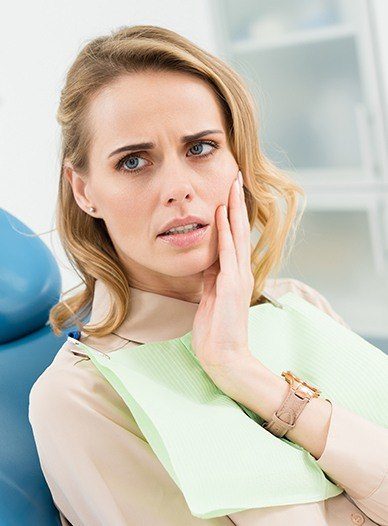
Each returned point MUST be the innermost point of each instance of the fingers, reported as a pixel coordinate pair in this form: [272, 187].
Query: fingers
[226, 250]
[234, 233]
[240, 227]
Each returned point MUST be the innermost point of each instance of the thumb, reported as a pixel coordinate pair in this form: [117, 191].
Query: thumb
[209, 277]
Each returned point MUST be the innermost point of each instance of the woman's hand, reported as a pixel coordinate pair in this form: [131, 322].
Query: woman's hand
[220, 327]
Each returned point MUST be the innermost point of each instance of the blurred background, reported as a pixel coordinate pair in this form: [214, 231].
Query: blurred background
[318, 70]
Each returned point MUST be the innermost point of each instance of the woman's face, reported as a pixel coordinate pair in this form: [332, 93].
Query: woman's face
[136, 192]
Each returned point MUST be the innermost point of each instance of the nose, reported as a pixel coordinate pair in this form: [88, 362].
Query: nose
[179, 196]
[178, 189]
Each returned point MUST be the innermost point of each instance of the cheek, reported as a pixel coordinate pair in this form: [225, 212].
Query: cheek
[220, 184]
[124, 214]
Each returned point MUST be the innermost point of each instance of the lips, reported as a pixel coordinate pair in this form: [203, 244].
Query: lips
[181, 233]
[189, 240]
[182, 221]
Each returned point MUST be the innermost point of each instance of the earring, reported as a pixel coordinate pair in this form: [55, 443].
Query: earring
[92, 209]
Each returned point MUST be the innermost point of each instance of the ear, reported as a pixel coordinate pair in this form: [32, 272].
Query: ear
[80, 188]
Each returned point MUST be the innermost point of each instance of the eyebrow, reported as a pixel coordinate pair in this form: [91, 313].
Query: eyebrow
[150, 145]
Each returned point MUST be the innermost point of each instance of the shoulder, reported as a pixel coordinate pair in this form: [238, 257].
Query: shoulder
[280, 286]
[70, 392]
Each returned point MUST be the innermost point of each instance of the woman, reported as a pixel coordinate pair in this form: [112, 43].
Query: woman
[155, 130]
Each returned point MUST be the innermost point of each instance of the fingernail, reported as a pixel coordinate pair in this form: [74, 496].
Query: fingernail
[238, 185]
[240, 178]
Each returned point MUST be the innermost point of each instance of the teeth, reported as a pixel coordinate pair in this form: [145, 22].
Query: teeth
[182, 229]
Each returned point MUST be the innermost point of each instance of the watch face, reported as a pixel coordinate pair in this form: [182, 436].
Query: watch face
[300, 386]
[305, 390]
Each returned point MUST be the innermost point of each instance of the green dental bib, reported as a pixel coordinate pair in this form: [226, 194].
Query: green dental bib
[215, 448]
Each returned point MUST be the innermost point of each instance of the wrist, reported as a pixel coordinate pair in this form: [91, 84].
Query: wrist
[249, 382]
[263, 392]
[258, 388]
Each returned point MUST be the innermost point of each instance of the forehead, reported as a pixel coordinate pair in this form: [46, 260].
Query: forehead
[141, 105]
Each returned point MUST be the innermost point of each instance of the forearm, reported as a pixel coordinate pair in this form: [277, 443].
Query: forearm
[262, 391]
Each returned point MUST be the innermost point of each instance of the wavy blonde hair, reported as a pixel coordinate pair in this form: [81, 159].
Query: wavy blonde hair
[85, 239]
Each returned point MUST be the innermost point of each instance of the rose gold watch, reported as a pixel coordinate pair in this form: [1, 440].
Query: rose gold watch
[298, 396]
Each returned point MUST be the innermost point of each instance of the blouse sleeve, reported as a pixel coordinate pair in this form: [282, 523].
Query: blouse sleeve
[356, 451]
[97, 463]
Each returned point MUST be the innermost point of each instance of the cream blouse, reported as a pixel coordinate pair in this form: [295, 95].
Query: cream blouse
[101, 471]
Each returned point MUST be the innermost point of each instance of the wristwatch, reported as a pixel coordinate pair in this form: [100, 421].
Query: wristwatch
[298, 396]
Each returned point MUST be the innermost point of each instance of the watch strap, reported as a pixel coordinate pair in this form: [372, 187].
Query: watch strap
[286, 416]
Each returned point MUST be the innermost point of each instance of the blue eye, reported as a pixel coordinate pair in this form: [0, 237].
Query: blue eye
[133, 169]
[201, 143]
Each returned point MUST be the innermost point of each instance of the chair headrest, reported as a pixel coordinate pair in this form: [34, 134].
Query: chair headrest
[30, 279]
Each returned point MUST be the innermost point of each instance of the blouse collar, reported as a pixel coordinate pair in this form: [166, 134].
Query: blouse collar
[152, 317]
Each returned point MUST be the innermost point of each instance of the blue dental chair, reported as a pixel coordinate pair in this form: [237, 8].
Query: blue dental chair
[30, 284]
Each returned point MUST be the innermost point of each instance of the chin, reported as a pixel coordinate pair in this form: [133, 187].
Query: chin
[186, 264]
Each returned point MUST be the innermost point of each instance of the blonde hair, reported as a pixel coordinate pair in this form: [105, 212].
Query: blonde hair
[85, 239]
